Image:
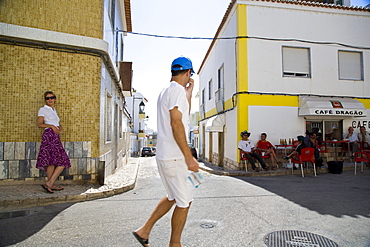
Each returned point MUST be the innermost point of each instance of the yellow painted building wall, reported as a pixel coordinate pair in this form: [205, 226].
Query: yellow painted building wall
[242, 67]
[26, 73]
[82, 17]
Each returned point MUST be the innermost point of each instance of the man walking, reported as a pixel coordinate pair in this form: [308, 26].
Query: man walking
[174, 158]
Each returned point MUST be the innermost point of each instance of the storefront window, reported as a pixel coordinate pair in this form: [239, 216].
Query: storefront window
[326, 130]
[333, 130]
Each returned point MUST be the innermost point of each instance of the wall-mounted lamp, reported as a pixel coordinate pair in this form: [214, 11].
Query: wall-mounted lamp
[141, 107]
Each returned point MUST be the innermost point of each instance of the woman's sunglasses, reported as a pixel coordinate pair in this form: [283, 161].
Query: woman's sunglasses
[52, 97]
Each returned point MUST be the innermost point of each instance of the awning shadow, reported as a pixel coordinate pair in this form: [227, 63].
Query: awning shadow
[21, 224]
[328, 194]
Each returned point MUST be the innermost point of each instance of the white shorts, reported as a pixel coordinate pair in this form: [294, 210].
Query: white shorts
[174, 175]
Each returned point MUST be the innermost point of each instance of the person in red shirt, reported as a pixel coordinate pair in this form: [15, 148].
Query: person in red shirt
[267, 149]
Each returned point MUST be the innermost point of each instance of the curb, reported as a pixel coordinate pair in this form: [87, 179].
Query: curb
[217, 171]
[36, 202]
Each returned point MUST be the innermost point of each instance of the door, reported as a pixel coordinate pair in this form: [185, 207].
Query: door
[210, 145]
[221, 148]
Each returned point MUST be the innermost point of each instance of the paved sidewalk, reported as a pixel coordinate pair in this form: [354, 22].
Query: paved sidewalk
[33, 195]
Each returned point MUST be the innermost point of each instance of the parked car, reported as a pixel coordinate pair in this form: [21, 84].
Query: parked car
[193, 150]
[147, 151]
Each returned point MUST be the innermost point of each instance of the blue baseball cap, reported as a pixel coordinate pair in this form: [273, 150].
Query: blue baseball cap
[182, 63]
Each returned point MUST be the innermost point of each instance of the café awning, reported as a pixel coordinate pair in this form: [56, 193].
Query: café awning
[216, 123]
[325, 106]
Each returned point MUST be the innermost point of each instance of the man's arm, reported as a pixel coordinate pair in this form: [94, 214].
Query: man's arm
[178, 131]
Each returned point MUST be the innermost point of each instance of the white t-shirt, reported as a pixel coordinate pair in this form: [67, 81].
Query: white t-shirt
[169, 98]
[246, 146]
[50, 115]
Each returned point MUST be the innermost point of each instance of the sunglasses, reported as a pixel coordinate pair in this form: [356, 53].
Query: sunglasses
[52, 97]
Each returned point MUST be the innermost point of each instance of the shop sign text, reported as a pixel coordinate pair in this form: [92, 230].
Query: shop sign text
[358, 124]
[339, 112]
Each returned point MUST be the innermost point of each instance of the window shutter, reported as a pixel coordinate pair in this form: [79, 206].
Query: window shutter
[296, 61]
[350, 65]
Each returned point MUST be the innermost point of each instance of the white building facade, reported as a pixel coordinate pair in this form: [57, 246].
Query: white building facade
[295, 66]
[136, 107]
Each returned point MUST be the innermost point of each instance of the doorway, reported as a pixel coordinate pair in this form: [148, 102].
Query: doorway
[220, 161]
[210, 150]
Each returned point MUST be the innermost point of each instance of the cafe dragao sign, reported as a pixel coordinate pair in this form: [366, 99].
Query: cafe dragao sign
[336, 112]
[339, 111]
[314, 106]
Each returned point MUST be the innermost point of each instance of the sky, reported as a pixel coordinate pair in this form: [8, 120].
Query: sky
[151, 57]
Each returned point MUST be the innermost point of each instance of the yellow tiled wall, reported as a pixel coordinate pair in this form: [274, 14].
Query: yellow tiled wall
[26, 73]
[82, 17]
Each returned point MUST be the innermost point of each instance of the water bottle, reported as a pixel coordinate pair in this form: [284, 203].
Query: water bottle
[195, 178]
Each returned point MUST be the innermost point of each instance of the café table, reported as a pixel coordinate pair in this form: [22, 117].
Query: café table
[335, 143]
[285, 147]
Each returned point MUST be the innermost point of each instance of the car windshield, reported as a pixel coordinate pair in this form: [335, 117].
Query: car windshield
[146, 148]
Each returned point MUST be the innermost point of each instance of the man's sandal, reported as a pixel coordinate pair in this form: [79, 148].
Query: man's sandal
[141, 240]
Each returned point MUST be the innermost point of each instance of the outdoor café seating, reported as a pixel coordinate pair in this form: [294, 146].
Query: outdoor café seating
[307, 156]
[363, 156]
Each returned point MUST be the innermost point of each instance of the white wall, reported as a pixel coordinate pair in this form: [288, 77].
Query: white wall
[277, 122]
[312, 24]
[222, 54]
[277, 20]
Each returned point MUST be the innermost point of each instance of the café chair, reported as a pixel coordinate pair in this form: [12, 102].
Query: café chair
[364, 146]
[244, 160]
[267, 157]
[361, 157]
[307, 155]
[324, 150]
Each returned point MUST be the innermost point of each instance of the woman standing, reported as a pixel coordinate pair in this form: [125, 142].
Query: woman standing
[52, 157]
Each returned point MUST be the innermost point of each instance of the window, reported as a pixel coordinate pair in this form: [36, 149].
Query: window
[210, 90]
[120, 123]
[203, 96]
[220, 77]
[108, 118]
[111, 12]
[350, 65]
[296, 62]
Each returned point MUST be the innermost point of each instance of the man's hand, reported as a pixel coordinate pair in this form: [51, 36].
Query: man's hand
[189, 87]
[192, 164]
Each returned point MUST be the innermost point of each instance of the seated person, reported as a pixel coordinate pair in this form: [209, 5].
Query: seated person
[302, 144]
[266, 148]
[353, 141]
[294, 155]
[247, 146]
[364, 136]
[312, 143]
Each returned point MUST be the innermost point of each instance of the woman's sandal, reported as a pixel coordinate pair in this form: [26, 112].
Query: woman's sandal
[47, 188]
[57, 187]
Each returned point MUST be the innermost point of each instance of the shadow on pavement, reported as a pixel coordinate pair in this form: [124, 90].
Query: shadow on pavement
[328, 194]
[20, 224]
